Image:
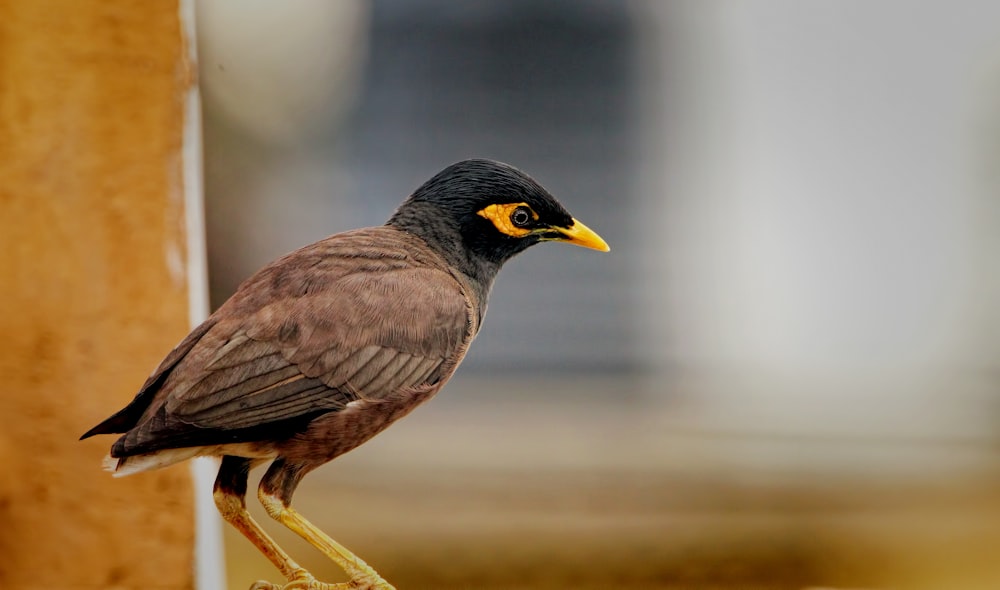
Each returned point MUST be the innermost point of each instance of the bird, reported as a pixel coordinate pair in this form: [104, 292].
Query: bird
[325, 347]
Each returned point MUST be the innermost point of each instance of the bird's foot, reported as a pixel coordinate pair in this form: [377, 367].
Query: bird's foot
[306, 581]
[369, 582]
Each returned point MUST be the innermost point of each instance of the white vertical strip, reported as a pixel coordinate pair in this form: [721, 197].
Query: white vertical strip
[209, 558]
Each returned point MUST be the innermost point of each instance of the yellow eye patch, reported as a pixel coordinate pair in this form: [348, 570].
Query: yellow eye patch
[500, 216]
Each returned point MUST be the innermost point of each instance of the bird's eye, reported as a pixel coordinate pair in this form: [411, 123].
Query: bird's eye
[520, 217]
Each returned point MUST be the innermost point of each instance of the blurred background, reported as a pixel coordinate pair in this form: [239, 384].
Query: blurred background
[784, 375]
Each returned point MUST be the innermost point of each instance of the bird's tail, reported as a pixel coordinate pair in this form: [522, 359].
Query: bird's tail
[122, 466]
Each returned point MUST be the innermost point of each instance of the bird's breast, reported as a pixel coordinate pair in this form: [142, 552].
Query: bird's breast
[336, 433]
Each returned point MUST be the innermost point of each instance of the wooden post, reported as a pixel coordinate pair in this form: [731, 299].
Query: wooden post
[92, 286]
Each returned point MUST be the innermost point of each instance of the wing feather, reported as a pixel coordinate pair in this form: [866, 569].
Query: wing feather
[388, 376]
[408, 371]
[238, 350]
[347, 373]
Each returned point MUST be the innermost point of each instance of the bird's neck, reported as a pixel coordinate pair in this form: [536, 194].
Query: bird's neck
[445, 238]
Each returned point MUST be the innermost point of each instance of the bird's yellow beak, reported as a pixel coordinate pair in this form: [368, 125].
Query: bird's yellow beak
[581, 235]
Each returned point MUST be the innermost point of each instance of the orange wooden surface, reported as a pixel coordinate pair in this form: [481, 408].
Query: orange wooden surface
[92, 286]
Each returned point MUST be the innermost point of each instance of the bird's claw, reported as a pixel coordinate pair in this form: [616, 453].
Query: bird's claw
[297, 583]
[367, 583]
[307, 582]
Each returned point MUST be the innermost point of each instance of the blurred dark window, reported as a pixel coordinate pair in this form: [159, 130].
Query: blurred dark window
[548, 87]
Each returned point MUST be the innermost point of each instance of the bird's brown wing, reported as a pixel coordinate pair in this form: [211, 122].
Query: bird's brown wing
[365, 337]
[283, 357]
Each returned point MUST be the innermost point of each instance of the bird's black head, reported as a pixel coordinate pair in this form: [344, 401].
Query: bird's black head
[484, 212]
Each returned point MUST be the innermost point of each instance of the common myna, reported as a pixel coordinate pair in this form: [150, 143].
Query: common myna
[325, 347]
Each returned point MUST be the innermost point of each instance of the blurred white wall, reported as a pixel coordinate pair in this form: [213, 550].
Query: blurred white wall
[821, 188]
[284, 72]
[278, 82]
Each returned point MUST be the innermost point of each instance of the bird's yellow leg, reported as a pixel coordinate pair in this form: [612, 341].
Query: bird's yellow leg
[233, 511]
[230, 498]
[362, 575]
